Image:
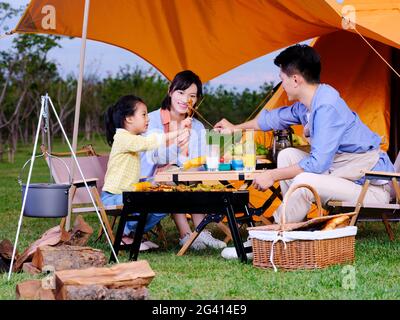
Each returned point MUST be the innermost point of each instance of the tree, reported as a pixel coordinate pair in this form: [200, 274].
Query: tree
[27, 73]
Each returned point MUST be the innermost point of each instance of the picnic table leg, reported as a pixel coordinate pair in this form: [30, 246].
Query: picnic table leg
[120, 231]
[137, 239]
[235, 232]
[186, 246]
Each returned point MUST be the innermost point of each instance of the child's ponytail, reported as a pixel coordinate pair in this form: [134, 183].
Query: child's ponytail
[109, 123]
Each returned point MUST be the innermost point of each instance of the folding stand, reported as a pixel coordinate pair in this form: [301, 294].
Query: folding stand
[45, 114]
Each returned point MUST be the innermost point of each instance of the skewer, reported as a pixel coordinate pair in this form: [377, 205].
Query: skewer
[269, 95]
[199, 114]
[190, 102]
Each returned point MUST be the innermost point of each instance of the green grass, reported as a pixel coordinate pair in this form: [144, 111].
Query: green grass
[205, 275]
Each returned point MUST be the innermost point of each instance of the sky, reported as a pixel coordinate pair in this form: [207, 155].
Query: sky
[106, 59]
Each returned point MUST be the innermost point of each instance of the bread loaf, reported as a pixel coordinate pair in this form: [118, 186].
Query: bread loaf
[335, 222]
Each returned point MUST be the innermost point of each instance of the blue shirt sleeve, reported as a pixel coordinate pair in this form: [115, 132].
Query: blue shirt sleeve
[281, 118]
[326, 129]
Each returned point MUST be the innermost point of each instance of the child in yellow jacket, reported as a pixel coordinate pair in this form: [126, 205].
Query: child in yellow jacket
[125, 122]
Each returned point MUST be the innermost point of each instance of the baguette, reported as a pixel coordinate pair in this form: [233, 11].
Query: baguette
[336, 222]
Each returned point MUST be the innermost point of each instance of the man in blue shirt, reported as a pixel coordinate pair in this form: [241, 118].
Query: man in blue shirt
[342, 147]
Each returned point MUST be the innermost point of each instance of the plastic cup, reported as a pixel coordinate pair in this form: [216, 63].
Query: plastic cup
[249, 156]
[212, 157]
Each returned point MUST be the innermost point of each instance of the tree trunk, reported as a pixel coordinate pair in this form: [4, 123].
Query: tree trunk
[14, 143]
[26, 132]
[33, 131]
[88, 128]
[11, 150]
[96, 125]
[21, 134]
[1, 147]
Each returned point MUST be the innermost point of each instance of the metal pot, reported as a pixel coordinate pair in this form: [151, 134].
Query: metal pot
[46, 200]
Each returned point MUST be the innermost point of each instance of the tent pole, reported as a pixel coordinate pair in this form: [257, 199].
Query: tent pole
[79, 94]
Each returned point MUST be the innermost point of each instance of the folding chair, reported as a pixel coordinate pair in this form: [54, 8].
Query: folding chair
[94, 167]
[385, 212]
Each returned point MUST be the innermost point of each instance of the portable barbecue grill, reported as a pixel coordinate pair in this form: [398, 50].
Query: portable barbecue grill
[216, 204]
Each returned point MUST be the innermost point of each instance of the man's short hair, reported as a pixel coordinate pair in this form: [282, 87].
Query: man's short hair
[301, 59]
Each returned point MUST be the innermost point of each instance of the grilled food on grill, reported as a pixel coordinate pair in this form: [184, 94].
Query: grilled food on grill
[141, 186]
[182, 188]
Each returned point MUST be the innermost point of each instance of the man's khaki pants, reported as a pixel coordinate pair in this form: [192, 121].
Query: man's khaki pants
[329, 187]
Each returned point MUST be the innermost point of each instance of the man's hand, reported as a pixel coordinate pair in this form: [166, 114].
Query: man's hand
[224, 126]
[263, 181]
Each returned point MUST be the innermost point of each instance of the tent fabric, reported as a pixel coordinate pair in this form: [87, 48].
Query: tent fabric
[209, 37]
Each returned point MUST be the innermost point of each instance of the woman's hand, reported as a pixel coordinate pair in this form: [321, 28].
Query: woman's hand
[186, 123]
[183, 138]
[224, 126]
[263, 181]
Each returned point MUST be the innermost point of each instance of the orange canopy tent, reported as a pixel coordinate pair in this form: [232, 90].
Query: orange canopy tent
[208, 36]
[213, 36]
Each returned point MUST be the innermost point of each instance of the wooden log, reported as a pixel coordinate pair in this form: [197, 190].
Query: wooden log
[6, 249]
[46, 294]
[80, 233]
[131, 275]
[4, 265]
[66, 257]
[28, 289]
[32, 290]
[51, 237]
[97, 292]
[30, 269]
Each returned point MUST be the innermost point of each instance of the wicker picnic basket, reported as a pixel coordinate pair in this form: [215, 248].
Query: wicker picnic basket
[281, 247]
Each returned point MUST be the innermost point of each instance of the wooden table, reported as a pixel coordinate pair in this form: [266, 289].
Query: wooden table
[188, 176]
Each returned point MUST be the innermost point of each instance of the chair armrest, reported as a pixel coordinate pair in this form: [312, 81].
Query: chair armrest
[381, 175]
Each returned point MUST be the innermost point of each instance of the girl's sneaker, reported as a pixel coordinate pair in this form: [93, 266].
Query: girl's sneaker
[196, 244]
[127, 241]
[206, 237]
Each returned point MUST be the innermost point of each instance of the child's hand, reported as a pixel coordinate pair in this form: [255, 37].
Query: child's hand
[186, 123]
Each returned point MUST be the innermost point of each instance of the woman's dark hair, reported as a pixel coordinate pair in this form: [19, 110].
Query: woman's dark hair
[182, 81]
[301, 59]
[115, 115]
